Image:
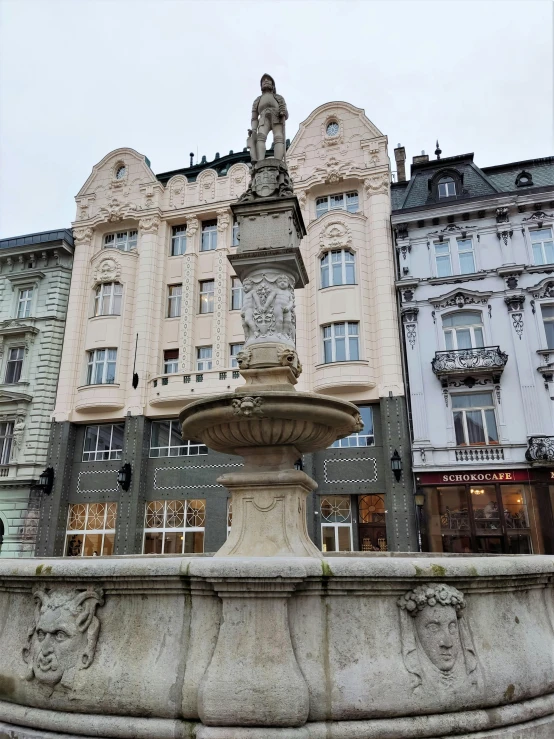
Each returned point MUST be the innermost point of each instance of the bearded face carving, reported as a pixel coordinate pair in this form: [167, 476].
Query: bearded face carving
[64, 635]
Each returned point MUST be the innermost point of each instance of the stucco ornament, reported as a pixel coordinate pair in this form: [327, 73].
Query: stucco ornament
[206, 184]
[192, 225]
[19, 432]
[177, 187]
[269, 113]
[107, 270]
[268, 308]
[115, 210]
[247, 406]
[149, 225]
[83, 236]
[437, 647]
[335, 235]
[64, 636]
[223, 218]
[377, 183]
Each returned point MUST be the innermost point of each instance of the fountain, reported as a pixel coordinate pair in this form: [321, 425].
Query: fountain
[268, 639]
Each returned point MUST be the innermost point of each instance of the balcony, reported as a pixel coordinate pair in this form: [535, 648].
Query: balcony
[481, 361]
[469, 457]
[540, 450]
[185, 387]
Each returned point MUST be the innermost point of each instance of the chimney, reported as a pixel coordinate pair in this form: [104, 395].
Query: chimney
[400, 157]
[420, 159]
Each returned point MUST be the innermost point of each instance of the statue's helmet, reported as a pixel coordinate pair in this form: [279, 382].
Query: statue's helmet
[270, 78]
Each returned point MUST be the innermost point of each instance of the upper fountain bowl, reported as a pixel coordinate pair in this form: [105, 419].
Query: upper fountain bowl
[232, 422]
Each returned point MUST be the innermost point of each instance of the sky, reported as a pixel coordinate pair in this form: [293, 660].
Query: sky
[79, 78]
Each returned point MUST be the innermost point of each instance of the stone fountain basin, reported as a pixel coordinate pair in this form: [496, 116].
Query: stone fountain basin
[234, 421]
[317, 648]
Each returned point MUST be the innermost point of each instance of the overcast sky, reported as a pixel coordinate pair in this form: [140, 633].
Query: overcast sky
[79, 78]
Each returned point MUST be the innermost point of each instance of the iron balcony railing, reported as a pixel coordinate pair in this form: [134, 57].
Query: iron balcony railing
[459, 361]
[540, 449]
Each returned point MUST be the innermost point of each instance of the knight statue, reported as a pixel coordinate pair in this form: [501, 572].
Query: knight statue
[269, 113]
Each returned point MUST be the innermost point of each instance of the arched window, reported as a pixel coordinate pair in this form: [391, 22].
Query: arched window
[338, 268]
[463, 330]
[446, 187]
[107, 299]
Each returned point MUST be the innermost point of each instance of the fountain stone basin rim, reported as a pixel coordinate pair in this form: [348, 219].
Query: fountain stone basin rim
[233, 422]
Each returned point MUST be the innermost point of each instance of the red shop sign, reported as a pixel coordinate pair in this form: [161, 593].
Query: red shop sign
[457, 478]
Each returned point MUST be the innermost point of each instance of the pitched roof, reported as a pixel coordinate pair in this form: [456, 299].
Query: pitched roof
[36, 239]
[476, 182]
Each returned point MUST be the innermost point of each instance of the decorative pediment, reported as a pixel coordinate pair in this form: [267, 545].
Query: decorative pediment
[449, 229]
[177, 186]
[544, 289]
[114, 163]
[13, 396]
[206, 185]
[460, 298]
[538, 217]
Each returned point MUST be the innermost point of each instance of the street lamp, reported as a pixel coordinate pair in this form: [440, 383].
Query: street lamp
[419, 498]
[124, 476]
[396, 465]
[46, 480]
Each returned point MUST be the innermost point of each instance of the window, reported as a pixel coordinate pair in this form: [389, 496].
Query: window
[101, 366]
[543, 245]
[107, 299]
[463, 330]
[207, 288]
[121, 172]
[124, 241]
[340, 342]
[6, 440]
[466, 257]
[174, 293]
[174, 527]
[203, 358]
[474, 419]
[24, 302]
[103, 442]
[443, 259]
[234, 349]
[336, 523]
[365, 437]
[237, 293]
[548, 322]
[166, 441]
[446, 187]
[178, 240]
[171, 361]
[343, 201]
[209, 236]
[90, 530]
[14, 364]
[337, 268]
[235, 236]
[332, 128]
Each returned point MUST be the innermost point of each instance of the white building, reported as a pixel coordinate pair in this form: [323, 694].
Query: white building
[475, 259]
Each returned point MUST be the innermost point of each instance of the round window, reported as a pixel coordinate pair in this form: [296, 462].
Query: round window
[332, 128]
[121, 172]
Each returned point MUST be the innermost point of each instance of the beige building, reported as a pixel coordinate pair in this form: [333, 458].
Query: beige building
[154, 322]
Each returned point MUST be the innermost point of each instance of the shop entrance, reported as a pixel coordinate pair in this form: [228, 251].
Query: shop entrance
[372, 531]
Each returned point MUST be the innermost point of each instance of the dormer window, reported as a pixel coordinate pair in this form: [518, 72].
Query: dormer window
[524, 179]
[446, 187]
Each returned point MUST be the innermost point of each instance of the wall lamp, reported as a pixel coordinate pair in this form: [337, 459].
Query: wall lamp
[419, 498]
[46, 480]
[396, 465]
[124, 476]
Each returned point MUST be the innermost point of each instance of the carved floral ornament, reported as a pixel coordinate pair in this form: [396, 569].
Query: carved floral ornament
[63, 637]
[335, 235]
[333, 170]
[545, 289]
[108, 270]
[238, 176]
[116, 210]
[460, 299]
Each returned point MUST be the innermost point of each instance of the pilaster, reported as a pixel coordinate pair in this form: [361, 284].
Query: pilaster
[189, 303]
[401, 524]
[417, 392]
[130, 514]
[221, 306]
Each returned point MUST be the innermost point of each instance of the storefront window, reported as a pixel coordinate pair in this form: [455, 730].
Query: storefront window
[372, 529]
[174, 527]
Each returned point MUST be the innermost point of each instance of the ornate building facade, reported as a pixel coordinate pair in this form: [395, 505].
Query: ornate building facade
[155, 322]
[35, 273]
[475, 259]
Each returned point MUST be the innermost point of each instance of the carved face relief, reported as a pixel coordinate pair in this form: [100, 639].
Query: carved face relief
[64, 635]
[247, 286]
[437, 630]
[283, 283]
[107, 271]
